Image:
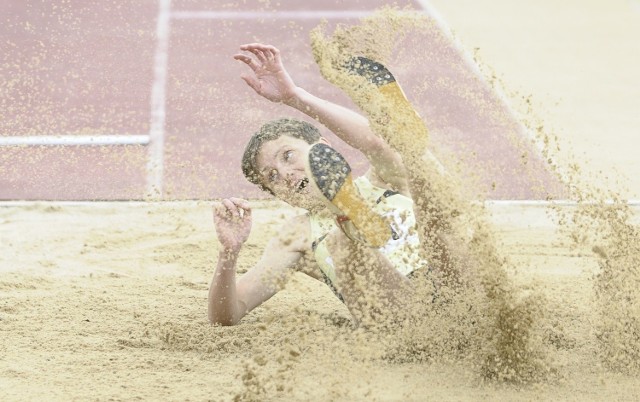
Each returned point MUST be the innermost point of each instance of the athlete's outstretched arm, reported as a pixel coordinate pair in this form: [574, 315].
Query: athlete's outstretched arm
[231, 299]
[270, 79]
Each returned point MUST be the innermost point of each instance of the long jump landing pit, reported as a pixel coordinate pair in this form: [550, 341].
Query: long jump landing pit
[108, 300]
[163, 78]
[111, 304]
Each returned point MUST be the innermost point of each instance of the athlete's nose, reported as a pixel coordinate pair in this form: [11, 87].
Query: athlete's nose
[285, 172]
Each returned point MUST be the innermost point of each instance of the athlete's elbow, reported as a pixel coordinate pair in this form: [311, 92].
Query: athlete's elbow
[224, 320]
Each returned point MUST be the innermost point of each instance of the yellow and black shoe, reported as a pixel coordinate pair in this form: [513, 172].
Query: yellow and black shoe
[402, 114]
[331, 174]
[378, 75]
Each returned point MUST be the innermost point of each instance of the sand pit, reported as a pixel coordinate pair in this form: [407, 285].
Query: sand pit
[112, 305]
[108, 300]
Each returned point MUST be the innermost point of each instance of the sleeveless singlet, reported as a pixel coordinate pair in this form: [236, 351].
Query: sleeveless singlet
[401, 250]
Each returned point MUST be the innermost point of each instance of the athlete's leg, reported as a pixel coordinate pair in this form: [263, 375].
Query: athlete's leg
[395, 119]
[332, 180]
[374, 291]
[371, 286]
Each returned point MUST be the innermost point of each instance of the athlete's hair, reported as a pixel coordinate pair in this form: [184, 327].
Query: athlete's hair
[269, 132]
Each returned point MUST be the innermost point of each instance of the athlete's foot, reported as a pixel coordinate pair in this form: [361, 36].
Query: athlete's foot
[391, 106]
[376, 74]
[331, 174]
[372, 87]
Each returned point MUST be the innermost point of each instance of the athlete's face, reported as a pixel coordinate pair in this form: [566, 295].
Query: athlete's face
[281, 164]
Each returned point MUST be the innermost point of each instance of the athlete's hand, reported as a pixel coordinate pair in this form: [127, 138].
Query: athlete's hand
[268, 78]
[232, 220]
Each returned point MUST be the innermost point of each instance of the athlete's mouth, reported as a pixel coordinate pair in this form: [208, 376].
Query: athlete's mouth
[302, 184]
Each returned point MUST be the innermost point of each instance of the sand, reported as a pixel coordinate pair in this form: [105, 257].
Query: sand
[112, 305]
[107, 301]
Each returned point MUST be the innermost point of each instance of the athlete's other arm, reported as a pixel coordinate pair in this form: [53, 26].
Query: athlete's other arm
[272, 81]
[231, 299]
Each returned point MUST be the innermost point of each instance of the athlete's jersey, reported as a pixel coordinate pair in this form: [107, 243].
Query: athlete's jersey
[401, 250]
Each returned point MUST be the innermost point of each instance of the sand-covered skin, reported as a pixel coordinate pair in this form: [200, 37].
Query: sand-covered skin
[112, 304]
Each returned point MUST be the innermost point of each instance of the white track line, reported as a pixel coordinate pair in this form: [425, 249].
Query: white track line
[99, 204]
[552, 203]
[55, 140]
[270, 15]
[155, 162]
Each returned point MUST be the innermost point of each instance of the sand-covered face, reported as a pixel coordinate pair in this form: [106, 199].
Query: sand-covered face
[281, 164]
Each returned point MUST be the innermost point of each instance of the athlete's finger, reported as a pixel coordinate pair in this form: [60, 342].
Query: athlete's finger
[263, 52]
[247, 213]
[231, 207]
[258, 53]
[273, 52]
[220, 213]
[262, 46]
[266, 50]
[249, 46]
[243, 207]
[242, 203]
[248, 61]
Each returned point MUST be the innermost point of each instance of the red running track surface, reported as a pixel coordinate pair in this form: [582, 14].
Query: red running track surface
[87, 68]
